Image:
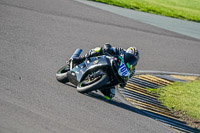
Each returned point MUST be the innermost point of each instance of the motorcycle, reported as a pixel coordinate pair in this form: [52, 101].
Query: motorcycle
[95, 73]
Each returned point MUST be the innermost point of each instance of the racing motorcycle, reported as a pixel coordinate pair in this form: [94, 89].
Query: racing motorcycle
[95, 73]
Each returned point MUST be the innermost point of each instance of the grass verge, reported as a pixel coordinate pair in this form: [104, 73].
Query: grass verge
[181, 98]
[182, 9]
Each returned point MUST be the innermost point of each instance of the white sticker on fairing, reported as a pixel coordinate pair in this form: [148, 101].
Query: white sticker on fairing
[123, 71]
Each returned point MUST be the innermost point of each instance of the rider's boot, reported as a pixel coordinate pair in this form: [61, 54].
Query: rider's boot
[109, 93]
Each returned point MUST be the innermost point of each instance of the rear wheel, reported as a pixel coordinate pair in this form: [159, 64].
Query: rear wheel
[61, 74]
[88, 85]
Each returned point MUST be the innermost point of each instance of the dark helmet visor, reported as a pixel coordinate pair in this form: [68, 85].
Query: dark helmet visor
[130, 60]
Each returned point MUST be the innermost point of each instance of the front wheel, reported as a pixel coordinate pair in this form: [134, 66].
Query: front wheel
[88, 86]
[61, 74]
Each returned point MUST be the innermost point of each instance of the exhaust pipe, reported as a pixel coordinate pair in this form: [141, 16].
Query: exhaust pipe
[77, 53]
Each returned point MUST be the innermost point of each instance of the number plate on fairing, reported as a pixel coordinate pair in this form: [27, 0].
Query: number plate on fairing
[123, 71]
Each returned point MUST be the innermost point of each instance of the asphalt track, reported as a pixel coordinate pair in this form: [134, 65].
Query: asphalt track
[184, 27]
[36, 38]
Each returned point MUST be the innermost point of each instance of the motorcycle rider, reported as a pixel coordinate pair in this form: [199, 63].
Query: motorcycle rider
[107, 49]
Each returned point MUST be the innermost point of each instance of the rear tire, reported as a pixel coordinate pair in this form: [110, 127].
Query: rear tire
[94, 86]
[61, 75]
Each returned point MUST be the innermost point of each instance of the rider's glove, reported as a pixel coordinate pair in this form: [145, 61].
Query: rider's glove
[119, 50]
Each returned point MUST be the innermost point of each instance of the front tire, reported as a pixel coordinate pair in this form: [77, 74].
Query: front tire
[61, 74]
[94, 86]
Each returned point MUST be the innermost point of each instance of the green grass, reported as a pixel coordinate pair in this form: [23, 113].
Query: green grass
[184, 97]
[182, 9]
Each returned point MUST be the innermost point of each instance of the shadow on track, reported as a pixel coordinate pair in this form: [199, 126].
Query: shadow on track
[115, 103]
[71, 85]
[181, 126]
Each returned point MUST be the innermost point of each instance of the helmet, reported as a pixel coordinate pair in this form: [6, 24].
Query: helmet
[130, 61]
[131, 57]
[134, 51]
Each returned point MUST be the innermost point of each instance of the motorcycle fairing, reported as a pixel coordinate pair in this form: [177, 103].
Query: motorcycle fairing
[88, 65]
